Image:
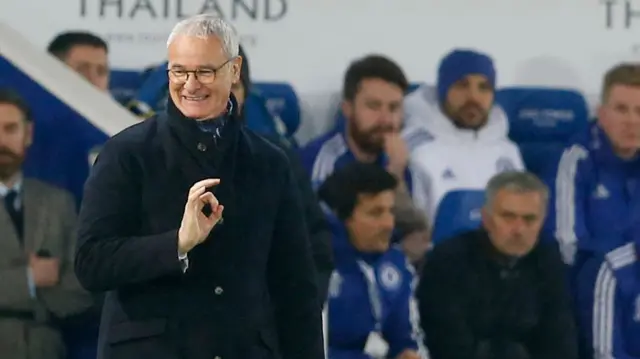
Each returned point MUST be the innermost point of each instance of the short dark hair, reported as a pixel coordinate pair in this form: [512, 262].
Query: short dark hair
[64, 42]
[627, 74]
[341, 189]
[11, 97]
[369, 67]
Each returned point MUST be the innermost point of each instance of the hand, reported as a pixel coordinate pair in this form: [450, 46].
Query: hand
[415, 245]
[196, 226]
[45, 271]
[398, 153]
[408, 354]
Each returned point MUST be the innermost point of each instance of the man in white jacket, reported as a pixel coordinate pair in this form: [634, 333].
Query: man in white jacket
[457, 135]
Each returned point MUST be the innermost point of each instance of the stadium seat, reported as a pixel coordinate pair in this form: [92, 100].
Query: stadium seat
[124, 84]
[259, 118]
[151, 93]
[282, 102]
[542, 120]
[459, 211]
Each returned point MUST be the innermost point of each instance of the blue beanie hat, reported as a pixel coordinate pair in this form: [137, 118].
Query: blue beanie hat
[461, 63]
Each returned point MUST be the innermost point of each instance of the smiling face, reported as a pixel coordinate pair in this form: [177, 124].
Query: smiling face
[201, 75]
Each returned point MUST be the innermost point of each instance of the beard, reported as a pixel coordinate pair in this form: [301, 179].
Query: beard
[369, 140]
[10, 163]
[470, 116]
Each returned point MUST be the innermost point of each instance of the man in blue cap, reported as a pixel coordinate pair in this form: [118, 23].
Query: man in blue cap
[459, 138]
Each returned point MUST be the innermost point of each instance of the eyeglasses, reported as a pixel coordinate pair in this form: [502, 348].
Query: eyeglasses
[204, 76]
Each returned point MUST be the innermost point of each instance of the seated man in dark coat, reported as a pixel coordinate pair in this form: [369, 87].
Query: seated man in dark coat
[194, 226]
[499, 293]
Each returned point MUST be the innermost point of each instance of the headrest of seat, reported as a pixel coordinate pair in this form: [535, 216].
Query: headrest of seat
[282, 102]
[458, 211]
[124, 84]
[543, 114]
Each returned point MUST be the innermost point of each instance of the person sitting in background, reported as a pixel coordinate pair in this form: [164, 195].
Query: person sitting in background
[319, 233]
[373, 91]
[498, 292]
[85, 53]
[607, 298]
[37, 222]
[597, 204]
[460, 136]
[261, 119]
[64, 149]
[372, 313]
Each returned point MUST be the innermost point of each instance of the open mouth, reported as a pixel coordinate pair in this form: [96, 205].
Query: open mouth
[195, 98]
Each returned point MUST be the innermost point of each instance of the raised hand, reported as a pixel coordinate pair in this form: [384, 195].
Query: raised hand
[196, 226]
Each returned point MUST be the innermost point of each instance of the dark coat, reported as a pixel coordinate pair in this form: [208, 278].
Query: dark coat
[476, 304]
[258, 259]
[319, 232]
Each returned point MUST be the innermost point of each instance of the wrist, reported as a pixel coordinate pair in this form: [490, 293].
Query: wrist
[183, 249]
[397, 171]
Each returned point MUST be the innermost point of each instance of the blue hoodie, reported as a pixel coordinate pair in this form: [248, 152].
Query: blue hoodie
[355, 297]
[608, 304]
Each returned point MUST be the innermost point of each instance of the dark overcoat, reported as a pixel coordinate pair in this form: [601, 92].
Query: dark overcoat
[250, 290]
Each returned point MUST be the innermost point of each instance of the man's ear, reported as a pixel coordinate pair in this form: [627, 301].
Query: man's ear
[236, 68]
[347, 108]
[28, 140]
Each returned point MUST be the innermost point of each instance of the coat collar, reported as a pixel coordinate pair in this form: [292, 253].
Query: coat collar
[200, 144]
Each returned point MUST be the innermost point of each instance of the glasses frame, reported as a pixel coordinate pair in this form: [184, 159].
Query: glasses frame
[196, 73]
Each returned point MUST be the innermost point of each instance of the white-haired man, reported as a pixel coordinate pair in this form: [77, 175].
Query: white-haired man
[194, 226]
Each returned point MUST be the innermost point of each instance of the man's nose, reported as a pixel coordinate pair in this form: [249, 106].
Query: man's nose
[192, 83]
[518, 226]
[388, 221]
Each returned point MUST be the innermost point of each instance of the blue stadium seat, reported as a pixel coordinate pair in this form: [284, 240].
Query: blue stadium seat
[459, 211]
[124, 84]
[282, 102]
[542, 120]
[259, 118]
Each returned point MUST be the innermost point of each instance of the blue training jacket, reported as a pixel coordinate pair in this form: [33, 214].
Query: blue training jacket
[608, 304]
[325, 154]
[595, 205]
[363, 285]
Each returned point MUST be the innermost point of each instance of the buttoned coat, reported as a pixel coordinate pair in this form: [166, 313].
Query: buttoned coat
[250, 289]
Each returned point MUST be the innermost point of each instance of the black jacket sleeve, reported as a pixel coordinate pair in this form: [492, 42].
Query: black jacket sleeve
[556, 336]
[443, 316]
[109, 252]
[317, 227]
[292, 278]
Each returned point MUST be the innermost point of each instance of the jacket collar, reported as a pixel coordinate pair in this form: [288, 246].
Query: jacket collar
[197, 141]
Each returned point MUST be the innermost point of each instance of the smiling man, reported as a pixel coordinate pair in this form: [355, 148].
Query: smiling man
[193, 224]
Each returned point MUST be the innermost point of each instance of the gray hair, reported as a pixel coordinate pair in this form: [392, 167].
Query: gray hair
[206, 25]
[516, 181]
